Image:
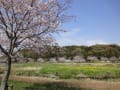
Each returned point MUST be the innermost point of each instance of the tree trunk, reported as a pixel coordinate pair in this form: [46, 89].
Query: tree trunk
[4, 82]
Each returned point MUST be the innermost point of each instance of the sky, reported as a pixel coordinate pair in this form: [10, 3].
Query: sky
[96, 22]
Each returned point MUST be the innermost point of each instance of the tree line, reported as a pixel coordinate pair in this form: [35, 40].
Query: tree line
[69, 52]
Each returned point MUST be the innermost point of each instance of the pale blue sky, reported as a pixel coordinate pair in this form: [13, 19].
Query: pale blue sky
[97, 22]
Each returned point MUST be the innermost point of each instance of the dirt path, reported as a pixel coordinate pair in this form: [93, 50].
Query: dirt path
[91, 84]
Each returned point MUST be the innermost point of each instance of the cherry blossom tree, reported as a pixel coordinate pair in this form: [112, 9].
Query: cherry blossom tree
[28, 23]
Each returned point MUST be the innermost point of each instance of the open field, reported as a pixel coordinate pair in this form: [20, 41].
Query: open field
[66, 76]
[68, 70]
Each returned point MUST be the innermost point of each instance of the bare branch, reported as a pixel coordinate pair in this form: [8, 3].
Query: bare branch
[3, 50]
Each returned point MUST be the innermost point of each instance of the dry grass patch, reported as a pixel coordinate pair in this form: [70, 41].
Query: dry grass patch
[94, 85]
[87, 84]
[27, 68]
[39, 80]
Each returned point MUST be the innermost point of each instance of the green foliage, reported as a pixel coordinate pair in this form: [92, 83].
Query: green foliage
[29, 53]
[96, 50]
[71, 51]
[1, 70]
[105, 51]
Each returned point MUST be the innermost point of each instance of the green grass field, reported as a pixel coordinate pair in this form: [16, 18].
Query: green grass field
[81, 76]
[68, 71]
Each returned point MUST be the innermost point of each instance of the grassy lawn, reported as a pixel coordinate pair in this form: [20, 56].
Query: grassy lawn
[65, 76]
[68, 71]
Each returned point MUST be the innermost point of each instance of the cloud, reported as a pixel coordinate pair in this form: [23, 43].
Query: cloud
[78, 42]
[119, 44]
[65, 42]
[75, 37]
[94, 42]
[71, 37]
